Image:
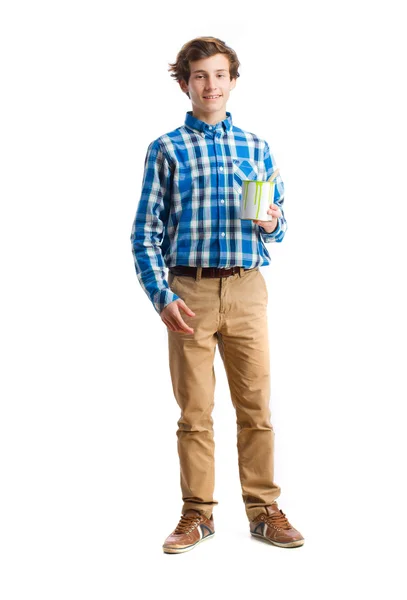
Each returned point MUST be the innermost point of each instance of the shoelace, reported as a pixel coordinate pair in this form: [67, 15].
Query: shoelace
[187, 523]
[278, 520]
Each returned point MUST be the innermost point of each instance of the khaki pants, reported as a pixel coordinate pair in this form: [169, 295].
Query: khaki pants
[231, 312]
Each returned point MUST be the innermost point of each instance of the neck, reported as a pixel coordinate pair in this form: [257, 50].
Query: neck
[209, 117]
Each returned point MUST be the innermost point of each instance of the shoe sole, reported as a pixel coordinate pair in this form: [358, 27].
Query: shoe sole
[169, 550]
[294, 544]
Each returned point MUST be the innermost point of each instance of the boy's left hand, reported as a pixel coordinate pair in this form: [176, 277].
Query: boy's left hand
[270, 226]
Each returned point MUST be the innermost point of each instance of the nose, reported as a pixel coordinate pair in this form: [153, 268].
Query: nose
[211, 84]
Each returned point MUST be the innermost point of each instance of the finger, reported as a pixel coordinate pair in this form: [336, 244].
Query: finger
[174, 320]
[173, 326]
[180, 323]
[182, 326]
[185, 308]
[167, 322]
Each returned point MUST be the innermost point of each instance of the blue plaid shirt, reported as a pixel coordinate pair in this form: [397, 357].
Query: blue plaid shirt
[188, 212]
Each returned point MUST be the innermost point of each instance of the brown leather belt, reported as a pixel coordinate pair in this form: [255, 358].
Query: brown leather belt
[206, 271]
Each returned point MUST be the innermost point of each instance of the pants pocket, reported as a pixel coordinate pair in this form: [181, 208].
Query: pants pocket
[264, 284]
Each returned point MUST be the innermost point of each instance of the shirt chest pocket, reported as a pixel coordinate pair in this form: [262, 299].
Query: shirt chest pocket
[243, 169]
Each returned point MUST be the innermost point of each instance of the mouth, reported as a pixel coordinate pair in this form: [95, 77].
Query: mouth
[212, 97]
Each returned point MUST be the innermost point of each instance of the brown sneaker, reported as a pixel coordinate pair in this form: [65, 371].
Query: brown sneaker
[191, 530]
[275, 528]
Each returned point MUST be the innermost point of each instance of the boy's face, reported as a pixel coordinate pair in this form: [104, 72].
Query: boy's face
[209, 77]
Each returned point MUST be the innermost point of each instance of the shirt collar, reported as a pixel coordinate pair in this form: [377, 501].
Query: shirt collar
[202, 127]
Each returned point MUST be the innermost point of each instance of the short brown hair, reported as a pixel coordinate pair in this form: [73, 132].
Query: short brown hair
[198, 48]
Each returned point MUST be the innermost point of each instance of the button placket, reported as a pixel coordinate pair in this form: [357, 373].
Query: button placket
[219, 191]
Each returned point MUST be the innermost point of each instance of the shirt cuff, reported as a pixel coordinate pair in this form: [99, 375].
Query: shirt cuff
[267, 237]
[163, 298]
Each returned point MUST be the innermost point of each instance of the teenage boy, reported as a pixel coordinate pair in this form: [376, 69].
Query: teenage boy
[188, 220]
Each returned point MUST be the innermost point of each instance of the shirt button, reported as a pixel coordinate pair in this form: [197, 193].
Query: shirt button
[223, 234]
[221, 168]
[210, 127]
[222, 202]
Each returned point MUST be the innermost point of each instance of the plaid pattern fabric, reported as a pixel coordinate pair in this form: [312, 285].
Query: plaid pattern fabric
[188, 213]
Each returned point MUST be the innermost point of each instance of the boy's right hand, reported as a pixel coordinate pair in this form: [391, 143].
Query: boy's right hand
[171, 316]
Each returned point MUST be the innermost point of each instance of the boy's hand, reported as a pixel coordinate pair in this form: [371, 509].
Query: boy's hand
[172, 316]
[270, 226]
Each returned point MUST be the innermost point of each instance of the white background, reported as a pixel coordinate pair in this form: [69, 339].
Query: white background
[89, 464]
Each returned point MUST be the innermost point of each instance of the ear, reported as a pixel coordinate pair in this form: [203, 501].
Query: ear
[232, 84]
[183, 85]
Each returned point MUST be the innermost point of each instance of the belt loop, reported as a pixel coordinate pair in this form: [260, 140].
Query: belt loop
[198, 273]
[241, 271]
